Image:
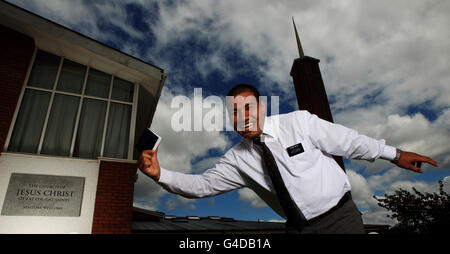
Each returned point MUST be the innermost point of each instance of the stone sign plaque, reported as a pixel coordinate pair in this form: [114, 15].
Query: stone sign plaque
[43, 195]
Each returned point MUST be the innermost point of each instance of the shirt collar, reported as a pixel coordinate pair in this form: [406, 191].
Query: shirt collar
[269, 128]
[269, 131]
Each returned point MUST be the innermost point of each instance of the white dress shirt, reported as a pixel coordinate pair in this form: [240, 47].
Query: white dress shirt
[313, 178]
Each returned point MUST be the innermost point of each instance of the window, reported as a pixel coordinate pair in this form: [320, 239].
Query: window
[69, 109]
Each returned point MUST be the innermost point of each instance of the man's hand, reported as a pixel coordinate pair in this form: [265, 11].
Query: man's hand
[148, 164]
[407, 160]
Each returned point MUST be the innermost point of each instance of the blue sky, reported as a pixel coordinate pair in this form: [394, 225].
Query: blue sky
[385, 66]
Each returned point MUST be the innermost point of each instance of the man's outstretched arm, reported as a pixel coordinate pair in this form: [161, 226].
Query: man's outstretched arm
[342, 141]
[223, 177]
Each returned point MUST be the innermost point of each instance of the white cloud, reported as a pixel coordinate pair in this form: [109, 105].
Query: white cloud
[360, 187]
[446, 182]
[178, 149]
[377, 59]
[180, 202]
[410, 133]
[58, 11]
[147, 193]
[397, 50]
[362, 194]
[279, 221]
[363, 190]
[248, 195]
[176, 152]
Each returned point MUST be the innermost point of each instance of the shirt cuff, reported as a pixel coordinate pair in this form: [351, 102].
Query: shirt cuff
[165, 176]
[389, 153]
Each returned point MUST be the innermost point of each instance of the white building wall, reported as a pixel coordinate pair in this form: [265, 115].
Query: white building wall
[46, 165]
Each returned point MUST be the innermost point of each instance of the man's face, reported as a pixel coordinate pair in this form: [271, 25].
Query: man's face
[247, 115]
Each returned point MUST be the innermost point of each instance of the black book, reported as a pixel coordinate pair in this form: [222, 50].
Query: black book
[148, 141]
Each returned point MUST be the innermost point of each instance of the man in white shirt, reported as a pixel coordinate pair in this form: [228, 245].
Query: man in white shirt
[300, 146]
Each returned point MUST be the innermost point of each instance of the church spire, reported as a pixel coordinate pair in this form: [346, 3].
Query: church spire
[299, 44]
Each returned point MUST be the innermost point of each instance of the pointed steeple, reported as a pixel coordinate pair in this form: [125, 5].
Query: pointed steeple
[299, 44]
[309, 87]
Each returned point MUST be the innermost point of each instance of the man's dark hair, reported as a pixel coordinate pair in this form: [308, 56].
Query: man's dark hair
[240, 88]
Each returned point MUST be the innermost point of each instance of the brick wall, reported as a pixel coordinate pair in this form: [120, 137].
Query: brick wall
[114, 199]
[16, 51]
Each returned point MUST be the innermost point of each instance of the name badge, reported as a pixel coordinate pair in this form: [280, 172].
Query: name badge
[295, 149]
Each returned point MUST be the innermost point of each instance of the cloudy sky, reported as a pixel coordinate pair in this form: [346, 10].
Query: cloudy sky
[385, 65]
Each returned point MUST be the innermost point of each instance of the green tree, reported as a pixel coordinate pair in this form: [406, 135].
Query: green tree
[418, 213]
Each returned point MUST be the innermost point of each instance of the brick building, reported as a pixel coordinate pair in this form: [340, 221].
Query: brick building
[71, 111]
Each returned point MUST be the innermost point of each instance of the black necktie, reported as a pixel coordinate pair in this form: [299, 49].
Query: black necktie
[294, 216]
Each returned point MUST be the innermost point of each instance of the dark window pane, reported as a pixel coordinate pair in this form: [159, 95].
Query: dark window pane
[43, 73]
[144, 112]
[98, 83]
[122, 90]
[118, 131]
[90, 129]
[29, 123]
[71, 77]
[58, 136]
